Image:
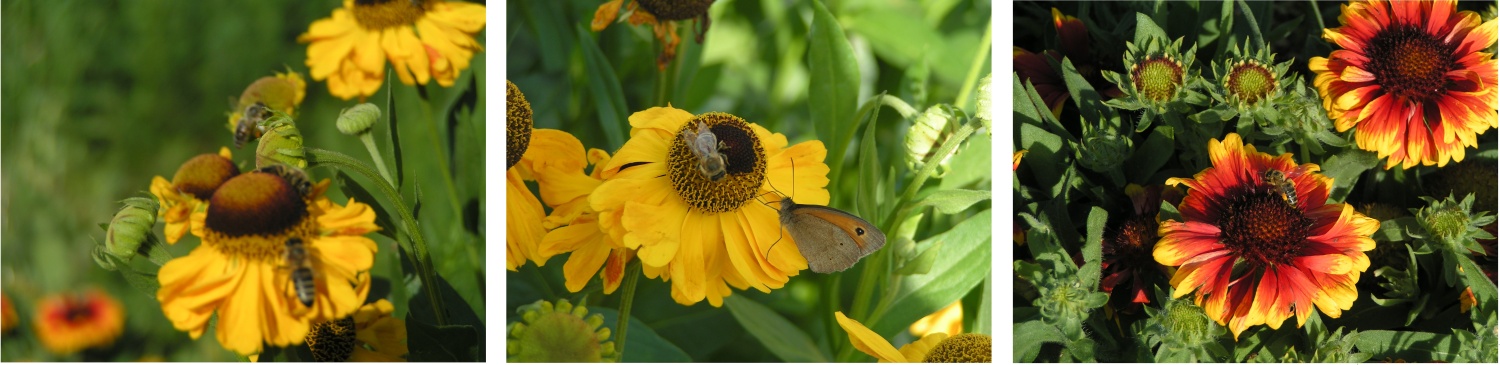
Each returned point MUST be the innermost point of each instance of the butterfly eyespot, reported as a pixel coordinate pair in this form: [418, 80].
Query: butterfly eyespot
[859, 231]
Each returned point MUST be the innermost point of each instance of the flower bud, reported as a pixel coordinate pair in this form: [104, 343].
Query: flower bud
[358, 119]
[130, 228]
[1103, 151]
[282, 143]
[926, 136]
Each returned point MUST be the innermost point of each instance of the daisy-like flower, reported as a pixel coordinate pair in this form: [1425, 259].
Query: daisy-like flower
[1158, 77]
[662, 16]
[67, 323]
[425, 40]
[706, 235]
[369, 335]
[282, 92]
[574, 224]
[1257, 250]
[524, 214]
[8, 319]
[933, 347]
[1249, 81]
[1034, 68]
[1073, 40]
[1412, 79]
[243, 270]
[1128, 244]
[183, 200]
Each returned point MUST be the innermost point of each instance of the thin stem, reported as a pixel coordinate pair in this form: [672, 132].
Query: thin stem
[442, 158]
[1317, 13]
[928, 168]
[978, 64]
[632, 274]
[417, 247]
[1254, 26]
[375, 155]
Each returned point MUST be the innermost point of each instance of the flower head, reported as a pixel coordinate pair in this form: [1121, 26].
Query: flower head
[69, 322]
[574, 224]
[524, 214]
[370, 334]
[559, 333]
[1128, 244]
[282, 92]
[705, 235]
[662, 16]
[258, 229]
[1411, 78]
[184, 199]
[1157, 73]
[933, 347]
[1258, 249]
[8, 319]
[423, 40]
[1249, 80]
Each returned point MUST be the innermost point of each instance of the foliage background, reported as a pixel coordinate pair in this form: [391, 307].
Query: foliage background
[752, 64]
[99, 97]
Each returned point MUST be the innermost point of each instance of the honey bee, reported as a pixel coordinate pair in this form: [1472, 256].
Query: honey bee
[706, 146]
[248, 128]
[1281, 186]
[294, 176]
[303, 282]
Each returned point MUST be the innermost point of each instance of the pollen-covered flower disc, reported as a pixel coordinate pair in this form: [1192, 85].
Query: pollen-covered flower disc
[704, 234]
[242, 271]
[183, 199]
[1157, 78]
[1257, 250]
[1411, 78]
[1250, 82]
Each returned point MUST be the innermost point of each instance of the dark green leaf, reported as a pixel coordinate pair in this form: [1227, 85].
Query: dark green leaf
[1409, 346]
[1345, 168]
[1029, 337]
[395, 138]
[642, 344]
[869, 167]
[1146, 29]
[779, 335]
[833, 85]
[1092, 256]
[430, 343]
[963, 262]
[1394, 230]
[605, 88]
[144, 282]
[1086, 98]
[1044, 156]
[1150, 156]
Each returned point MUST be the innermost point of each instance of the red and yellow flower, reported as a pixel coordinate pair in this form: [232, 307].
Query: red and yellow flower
[1257, 255]
[1411, 78]
[67, 323]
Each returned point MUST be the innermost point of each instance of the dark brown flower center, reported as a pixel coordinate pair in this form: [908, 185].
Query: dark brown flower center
[1260, 227]
[1133, 241]
[675, 9]
[744, 165]
[332, 340]
[1409, 63]
[79, 309]
[202, 175]
[382, 14]
[518, 124]
[254, 214]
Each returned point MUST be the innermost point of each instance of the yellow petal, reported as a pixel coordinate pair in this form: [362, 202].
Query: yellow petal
[868, 341]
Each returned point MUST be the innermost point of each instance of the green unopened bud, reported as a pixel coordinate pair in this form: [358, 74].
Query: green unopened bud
[561, 333]
[1103, 151]
[926, 136]
[1182, 326]
[358, 119]
[982, 111]
[282, 143]
[130, 228]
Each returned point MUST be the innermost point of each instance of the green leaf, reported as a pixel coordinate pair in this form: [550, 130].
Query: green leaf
[1084, 96]
[869, 166]
[983, 313]
[1044, 157]
[1409, 346]
[953, 201]
[429, 343]
[1031, 109]
[146, 283]
[1029, 337]
[963, 261]
[833, 84]
[1150, 156]
[1146, 29]
[605, 88]
[1092, 251]
[779, 335]
[922, 263]
[395, 138]
[642, 344]
[1394, 230]
[1345, 168]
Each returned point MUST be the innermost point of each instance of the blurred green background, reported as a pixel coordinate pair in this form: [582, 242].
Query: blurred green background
[100, 96]
[753, 64]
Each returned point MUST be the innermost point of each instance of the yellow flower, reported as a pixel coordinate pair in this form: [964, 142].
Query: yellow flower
[565, 188]
[184, 199]
[934, 347]
[67, 323]
[242, 270]
[949, 320]
[424, 40]
[523, 220]
[369, 335]
[662, 16]
[282, 92]
[706, 235]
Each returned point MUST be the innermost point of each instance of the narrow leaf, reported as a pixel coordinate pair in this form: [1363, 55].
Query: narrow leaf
[605, 88]
[778, 334]
[953, 201]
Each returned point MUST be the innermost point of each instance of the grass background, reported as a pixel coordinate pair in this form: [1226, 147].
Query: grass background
[99, 97]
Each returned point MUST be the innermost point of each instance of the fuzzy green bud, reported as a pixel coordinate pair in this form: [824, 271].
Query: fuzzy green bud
[926, 136]
[358, 119]
[282, 143]
[131, 227]
[1103, 151]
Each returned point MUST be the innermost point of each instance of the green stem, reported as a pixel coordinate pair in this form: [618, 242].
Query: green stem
[978, 64]
[416, 247]
[375, 155]
[1254, 26]
[1317, 13]
[442, 158]
[928, 168]
[632, 274]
